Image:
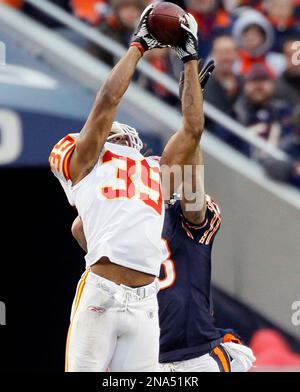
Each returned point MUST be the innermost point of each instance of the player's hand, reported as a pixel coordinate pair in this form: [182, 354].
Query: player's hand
[204, 74]
[142, 38]
[189, 50]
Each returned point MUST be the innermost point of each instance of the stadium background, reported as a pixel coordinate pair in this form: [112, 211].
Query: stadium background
[43, 95]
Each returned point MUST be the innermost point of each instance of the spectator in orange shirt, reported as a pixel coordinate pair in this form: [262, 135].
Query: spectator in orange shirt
[91, 11]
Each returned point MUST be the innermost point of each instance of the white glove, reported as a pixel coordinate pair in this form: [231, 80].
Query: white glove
[242, 356]
[142, 37]
[189, 50]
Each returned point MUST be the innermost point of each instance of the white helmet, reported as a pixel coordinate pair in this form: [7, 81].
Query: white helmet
[132, 136]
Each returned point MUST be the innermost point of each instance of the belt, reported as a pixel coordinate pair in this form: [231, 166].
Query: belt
[113, 288]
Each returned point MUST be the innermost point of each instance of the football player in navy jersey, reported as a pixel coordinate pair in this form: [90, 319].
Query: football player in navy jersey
[189, 339]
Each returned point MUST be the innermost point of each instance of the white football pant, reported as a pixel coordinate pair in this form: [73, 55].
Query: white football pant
[216, 361]
[113, 327]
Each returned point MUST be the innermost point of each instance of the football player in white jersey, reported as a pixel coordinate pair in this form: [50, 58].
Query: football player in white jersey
[118, 196]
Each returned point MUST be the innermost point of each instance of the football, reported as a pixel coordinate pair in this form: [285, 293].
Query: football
[164, 23]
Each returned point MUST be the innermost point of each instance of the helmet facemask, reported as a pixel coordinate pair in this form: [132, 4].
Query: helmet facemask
[125, 131]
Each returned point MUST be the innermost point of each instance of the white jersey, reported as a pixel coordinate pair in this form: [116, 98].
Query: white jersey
[120, 203]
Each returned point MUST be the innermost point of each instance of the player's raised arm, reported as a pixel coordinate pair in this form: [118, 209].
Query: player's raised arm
[98, 125]
[193, 201]
[184, 143]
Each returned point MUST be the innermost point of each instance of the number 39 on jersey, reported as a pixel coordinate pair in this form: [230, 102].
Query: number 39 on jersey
[127, 178]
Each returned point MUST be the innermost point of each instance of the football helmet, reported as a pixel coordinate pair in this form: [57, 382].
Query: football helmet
[130, 134]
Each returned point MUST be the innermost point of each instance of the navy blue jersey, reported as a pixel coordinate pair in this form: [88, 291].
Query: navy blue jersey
[185, 308]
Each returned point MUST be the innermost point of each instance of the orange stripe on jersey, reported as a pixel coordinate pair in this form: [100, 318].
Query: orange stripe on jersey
[213, 204]
[223, 359]
[213, 232]
[214, 224]
[66, 163]
[59, 157]
[198, 227]
[77, 300]
[187, 230]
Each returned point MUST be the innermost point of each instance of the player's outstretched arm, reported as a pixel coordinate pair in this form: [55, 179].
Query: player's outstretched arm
[98, 125]
[184, 143]
[78, 233]
[193, 202]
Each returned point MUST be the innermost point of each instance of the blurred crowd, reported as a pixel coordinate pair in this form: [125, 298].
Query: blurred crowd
[256, 47]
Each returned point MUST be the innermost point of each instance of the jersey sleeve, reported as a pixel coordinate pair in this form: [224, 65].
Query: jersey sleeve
[206, 232]
[59, 161]
[59, 158]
